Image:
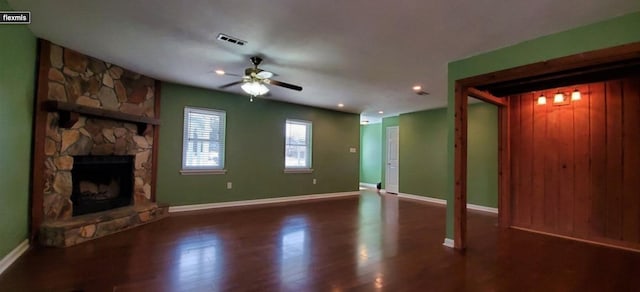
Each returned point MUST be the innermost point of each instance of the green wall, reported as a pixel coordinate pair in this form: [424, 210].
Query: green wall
[423, 154]
[482, 155]
[255, 149]
[370, 153]
[17, 84]
[609, 33]
[387, 122]
[423, 148]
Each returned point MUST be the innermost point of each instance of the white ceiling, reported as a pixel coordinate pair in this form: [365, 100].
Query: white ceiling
[365, 54]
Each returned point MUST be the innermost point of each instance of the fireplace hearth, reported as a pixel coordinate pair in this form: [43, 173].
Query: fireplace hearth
[101, 183]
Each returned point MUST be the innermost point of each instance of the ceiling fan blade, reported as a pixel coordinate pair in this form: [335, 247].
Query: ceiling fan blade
[285, 85]
[230, 84]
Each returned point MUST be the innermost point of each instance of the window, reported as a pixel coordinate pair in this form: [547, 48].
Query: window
[203, 140]
[297, 153]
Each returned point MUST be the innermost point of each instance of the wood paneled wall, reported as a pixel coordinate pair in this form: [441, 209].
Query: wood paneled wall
[575, 169]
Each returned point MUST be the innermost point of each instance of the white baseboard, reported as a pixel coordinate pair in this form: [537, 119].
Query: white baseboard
[368, 185]
[186, 208]
[423, 198]
[444, 202]
[482, 208]
[10, 258]
[448, 242]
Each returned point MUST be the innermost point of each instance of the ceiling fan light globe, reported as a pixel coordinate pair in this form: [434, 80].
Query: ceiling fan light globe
[262, 89]
[254, 88]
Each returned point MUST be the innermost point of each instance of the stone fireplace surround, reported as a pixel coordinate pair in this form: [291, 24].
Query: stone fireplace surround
[79, 80]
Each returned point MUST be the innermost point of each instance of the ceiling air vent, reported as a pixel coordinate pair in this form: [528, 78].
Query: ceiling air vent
[234, 40]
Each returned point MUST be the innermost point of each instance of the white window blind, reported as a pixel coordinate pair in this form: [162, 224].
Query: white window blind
[203, 139]
[297, 144]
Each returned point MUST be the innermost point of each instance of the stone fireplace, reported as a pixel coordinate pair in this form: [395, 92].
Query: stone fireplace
[98, 123]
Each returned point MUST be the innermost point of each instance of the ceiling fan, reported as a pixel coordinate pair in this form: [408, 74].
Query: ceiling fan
[255, 80]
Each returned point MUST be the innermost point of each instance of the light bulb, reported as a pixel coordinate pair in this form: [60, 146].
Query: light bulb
[575, 95]
[558, 98]
[542, 99]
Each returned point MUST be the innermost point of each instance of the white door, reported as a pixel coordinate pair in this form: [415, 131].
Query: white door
[391, 174]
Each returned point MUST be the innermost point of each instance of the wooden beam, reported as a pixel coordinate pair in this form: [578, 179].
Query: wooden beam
[460, 167]
[70, 112]
[54, 105]
[609, 71]
[581, 60]
[486, 97]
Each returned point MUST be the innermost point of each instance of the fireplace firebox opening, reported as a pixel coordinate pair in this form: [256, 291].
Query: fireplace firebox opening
[101, 183]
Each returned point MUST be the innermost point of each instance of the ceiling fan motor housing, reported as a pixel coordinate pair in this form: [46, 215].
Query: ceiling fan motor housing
[256, 61]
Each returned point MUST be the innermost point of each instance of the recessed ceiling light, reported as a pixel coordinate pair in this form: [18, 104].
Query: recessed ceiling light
[418, 90]
[340, 105]
[220, 72]
[381, 112]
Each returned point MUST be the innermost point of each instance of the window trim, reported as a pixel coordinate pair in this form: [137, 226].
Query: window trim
[298, 170]
[309, 145]
[200, 170]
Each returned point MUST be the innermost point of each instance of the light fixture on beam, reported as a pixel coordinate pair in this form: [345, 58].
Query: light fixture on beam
[542, 99]
[575, 95]
[558, 97]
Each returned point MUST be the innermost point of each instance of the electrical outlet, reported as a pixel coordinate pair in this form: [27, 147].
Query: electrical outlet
[352, 149]
[314, 181]
[229, 185]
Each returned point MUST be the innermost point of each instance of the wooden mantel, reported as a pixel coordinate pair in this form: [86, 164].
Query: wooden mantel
[70, 112]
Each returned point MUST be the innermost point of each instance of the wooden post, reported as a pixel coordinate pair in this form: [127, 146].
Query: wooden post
[40, 134]
[504, 169]
[156, 141]
[460, 167]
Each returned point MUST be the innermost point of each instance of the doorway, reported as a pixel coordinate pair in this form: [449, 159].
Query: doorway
[392, 163]
[494, 87]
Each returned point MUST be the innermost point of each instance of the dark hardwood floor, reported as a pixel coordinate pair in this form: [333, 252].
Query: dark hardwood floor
[366, 243]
